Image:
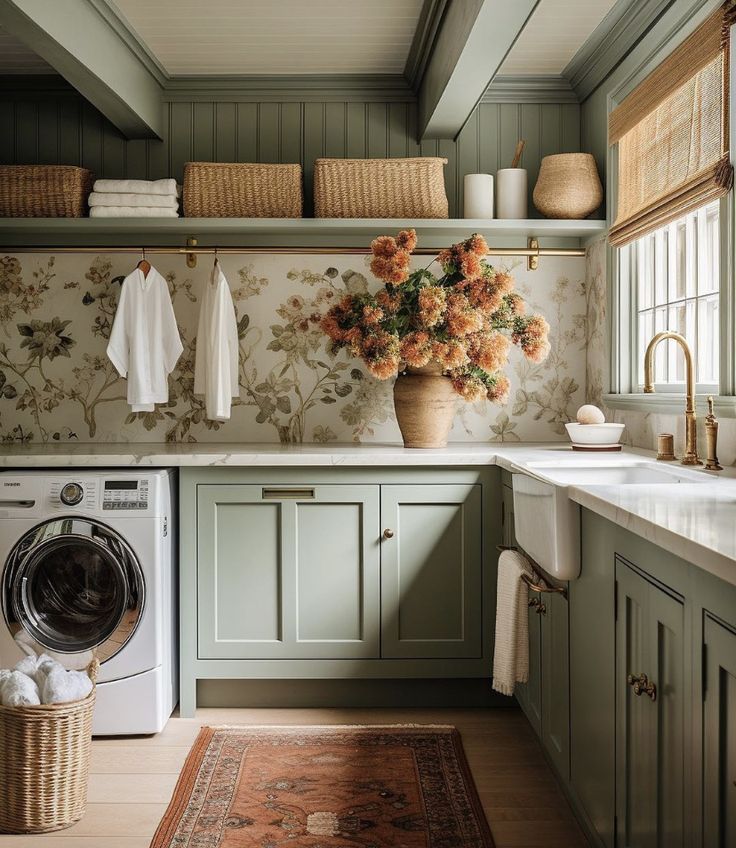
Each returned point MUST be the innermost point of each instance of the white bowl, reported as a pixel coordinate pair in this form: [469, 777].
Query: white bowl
[594, 434]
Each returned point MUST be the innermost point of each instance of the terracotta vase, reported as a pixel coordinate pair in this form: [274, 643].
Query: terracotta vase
[425, 403]
[568, 186]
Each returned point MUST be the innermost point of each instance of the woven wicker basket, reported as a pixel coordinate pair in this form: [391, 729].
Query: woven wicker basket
[44, 191]
[215, 190]
[44, 763]
[380, 188]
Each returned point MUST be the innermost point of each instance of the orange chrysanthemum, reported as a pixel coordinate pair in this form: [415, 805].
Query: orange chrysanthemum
[407, 239]
[499, 391]
[431, 300]
[416, 349]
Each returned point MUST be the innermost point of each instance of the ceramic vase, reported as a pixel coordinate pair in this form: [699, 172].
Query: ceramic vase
[568, 186]
[511, 193]
[478, 196]
[425, 402]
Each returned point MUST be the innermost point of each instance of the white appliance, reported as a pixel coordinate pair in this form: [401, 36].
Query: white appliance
[88, 569]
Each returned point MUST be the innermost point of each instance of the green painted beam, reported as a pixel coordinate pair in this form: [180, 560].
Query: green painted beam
[473, 40]
[95, 57]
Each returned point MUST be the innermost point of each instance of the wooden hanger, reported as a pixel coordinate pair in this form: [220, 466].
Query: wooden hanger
[144, 265]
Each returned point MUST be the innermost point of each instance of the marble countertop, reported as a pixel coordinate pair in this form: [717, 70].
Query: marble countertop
[694, 521]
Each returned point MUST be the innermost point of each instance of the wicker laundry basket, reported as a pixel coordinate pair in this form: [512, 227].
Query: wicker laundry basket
[44, 763]
[242, 190]
[380, 188]
[44, 191]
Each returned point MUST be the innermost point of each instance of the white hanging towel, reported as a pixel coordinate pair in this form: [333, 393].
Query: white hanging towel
[511, 649]
[216, 363]
[144, 342]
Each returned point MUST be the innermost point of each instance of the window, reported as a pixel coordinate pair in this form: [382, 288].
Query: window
[674, 278]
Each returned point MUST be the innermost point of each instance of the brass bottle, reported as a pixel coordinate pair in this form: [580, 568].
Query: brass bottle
[711, 439]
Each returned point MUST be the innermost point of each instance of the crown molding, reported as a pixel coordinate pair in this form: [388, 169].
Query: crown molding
[287, 87]
[611, 41]
[422, 44]
[530, 89]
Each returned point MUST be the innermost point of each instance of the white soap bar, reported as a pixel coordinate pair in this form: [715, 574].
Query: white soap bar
[589, 414]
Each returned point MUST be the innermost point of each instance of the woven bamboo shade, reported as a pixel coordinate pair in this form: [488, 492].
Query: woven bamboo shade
[672, 134]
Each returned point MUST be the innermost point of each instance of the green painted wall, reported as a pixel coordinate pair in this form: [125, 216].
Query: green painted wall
[61, 127]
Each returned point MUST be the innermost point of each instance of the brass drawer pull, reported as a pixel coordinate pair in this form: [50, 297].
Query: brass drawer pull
[642, 685]
[276, 494]
[388, 534]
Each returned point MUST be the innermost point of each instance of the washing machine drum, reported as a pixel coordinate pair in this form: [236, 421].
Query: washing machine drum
[73, 585]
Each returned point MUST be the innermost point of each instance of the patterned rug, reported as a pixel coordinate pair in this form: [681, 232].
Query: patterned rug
[325, 787]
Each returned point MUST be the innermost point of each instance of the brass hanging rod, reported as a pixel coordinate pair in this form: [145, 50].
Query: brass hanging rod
[209, 251]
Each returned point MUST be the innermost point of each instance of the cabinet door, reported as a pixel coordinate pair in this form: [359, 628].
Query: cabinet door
[431, 571]
[719, 736]
[287, 572]
[556, 681]
[508, 534]
[529, 694]
[650, 747]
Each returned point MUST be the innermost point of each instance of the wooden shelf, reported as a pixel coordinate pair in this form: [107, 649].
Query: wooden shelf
[282, 232]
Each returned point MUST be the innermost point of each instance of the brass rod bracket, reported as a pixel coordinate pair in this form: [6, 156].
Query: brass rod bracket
[532, 262]
[191, 257]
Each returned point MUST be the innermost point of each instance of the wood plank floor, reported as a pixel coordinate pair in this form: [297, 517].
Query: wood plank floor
[132, 778]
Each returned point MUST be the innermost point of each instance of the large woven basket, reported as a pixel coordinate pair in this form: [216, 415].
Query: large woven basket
[380, 188]
[44, 191]
[242, 190]
[44, 764]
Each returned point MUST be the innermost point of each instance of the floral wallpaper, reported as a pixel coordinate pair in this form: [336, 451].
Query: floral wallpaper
[56, 383]
[642, 428]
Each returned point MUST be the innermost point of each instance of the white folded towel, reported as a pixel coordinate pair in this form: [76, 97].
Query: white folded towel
[19, 690]
[168, 186]
[132, 212]
[62, 686]
[120, 199]
[511, 649]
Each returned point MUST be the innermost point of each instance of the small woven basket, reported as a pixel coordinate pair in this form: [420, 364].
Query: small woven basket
[44, 191]
[44, 763]
[380, 188]
[238, 190]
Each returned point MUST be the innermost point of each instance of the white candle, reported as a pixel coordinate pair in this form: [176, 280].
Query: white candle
[512, 193]
[478, 196]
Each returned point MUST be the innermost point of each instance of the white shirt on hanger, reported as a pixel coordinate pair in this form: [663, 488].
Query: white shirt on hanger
[216, 364]
[144, 342]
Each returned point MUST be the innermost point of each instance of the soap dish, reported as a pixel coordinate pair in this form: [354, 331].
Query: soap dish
[616, 447]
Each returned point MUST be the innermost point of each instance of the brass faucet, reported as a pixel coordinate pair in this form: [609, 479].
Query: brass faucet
[691, 440]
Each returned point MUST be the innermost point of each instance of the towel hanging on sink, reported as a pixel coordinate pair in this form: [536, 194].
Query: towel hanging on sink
[511, 648]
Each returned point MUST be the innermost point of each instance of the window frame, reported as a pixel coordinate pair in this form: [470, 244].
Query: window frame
[624, 390]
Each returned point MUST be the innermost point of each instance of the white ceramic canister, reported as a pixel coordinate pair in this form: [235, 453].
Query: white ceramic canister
[478, 196]
[511, 193]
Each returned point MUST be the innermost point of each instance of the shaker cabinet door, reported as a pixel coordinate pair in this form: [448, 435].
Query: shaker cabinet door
[555, 620]
[288, 572]
[431, 571]
[651, 696]
[719, 736]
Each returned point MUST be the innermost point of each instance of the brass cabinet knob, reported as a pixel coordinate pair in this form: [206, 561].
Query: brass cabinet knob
[642, 685]
[388, 534]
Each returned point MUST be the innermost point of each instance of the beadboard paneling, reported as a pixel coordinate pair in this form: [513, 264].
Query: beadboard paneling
[65, 129]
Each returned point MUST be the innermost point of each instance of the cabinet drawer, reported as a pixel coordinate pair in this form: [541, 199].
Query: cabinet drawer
[288, 572]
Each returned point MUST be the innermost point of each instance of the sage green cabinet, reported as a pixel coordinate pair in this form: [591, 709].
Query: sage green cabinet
[288, 572]
[651, 692]
[555, 684]
[719, 735]
[431, 571]
[529, 694]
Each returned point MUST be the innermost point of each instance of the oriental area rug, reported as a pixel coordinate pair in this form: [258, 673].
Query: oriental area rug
[325, 787]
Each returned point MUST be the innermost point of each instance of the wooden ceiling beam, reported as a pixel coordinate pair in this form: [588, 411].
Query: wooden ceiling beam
[93, 56]
[472, 41]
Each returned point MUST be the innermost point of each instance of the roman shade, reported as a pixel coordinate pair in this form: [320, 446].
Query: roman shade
[672, 134]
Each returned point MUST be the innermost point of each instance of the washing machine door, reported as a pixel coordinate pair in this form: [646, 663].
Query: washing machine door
[74, 586]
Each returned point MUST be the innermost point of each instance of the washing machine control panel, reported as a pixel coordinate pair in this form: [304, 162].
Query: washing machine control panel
[125, 494]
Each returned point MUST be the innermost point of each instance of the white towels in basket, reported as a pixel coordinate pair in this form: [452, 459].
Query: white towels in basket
[134, 199]
[511, 650]
[41, 680]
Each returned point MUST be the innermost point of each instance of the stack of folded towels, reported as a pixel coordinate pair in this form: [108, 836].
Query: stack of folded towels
[134, 199]
[41, 680]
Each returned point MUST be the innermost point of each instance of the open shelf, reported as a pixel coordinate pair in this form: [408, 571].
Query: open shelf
[309, 233]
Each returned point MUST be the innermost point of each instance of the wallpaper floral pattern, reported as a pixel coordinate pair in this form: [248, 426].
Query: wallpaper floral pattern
[57, 384]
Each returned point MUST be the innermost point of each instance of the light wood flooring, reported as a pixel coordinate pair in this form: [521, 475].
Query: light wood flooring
[132, 779]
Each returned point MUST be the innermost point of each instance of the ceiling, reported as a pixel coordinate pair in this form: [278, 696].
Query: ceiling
[555, 33]
[189, 37]
[16, 58]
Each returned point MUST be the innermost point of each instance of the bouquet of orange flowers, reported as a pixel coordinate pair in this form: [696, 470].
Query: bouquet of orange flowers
[463, 322]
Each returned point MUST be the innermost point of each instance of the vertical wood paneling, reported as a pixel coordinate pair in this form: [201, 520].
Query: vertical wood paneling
[48, 129]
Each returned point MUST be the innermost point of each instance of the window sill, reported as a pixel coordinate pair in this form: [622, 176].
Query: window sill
[670, 403]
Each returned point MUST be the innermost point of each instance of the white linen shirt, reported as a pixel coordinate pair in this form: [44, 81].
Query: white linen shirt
[144, 342]
[216, 362]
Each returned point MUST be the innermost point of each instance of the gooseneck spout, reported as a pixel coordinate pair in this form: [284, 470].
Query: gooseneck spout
[691, 441]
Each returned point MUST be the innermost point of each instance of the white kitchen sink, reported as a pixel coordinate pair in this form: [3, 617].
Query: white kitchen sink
[547, 522]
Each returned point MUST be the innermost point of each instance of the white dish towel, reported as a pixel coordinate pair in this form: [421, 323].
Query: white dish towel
[511, 651]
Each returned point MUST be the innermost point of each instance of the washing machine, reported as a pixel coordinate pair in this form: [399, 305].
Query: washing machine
[89, 570]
